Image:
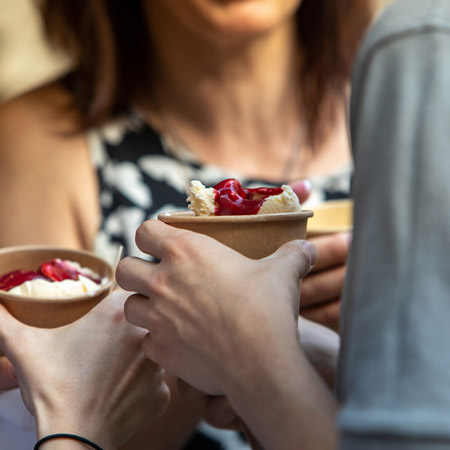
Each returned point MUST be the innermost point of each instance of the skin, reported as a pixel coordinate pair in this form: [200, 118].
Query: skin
[322, 288]
[188, 321]
[76, 390]
[214, 108]
[8, 379]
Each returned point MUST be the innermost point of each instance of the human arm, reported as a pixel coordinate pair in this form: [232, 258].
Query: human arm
[394, 366]
[47, 181]
[321, 347]
[88, 378]
[218, 327]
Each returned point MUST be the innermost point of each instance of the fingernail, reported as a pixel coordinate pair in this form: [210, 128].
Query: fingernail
[312, 250]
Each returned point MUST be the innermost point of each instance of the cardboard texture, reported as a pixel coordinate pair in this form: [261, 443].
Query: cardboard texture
[255, 236]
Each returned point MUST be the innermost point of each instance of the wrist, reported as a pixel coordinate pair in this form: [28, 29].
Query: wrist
[49, 424]
[289, 387]
[64, 444]
[261, 384]
[264, 359]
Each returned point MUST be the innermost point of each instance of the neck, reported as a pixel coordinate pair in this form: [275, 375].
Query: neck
[234, 104]
[215, 84]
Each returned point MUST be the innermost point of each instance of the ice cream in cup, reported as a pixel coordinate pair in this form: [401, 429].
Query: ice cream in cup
[49, 287]
[254, 222]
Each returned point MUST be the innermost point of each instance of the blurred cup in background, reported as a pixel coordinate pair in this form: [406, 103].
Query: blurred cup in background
[332, 216]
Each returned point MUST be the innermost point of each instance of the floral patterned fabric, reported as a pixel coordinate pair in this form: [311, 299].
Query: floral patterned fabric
[141, 174]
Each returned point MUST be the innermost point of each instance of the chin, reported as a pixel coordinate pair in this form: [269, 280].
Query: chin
[243, 19]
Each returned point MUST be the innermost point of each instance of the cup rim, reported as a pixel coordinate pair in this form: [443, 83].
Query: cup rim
[189, 217]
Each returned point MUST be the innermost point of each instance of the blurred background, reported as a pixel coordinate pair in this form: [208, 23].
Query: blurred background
[25, 59]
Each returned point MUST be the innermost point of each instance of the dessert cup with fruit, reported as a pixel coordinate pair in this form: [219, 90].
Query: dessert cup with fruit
[254, 222]
[48, 286]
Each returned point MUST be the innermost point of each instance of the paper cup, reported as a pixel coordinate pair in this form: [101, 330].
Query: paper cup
[333, 216]
[51, 312]
[255, 236]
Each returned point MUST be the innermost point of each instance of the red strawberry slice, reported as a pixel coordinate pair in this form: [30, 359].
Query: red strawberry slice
[17, 277]
[58, 270]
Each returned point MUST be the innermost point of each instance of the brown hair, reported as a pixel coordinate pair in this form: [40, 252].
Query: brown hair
[98, 36]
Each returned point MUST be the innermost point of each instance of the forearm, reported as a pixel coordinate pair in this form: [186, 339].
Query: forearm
[287, 407]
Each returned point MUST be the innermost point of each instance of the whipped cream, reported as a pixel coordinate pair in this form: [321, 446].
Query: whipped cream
[287, 201]
[40, 288]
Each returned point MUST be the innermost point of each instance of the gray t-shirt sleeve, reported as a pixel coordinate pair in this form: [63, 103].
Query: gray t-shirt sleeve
[394, 371]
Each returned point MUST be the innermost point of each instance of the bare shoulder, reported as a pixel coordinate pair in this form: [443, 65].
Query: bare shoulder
[43, 157]
[43, 115]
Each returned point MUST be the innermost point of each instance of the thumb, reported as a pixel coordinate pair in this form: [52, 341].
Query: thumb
[9, 326]
[296, 255]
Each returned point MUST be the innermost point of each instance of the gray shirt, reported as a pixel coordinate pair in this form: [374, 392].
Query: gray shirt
[394, 372]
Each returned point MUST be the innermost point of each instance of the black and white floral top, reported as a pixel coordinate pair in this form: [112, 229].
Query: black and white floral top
[141, 174]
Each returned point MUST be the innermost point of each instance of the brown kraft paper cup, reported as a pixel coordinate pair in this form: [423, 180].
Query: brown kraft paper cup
[255, 236]
[51, 312]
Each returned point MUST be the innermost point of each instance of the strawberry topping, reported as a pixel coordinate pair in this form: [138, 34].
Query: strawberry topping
[233, 199]
[17, 277]
[53, 270]
[58, 270]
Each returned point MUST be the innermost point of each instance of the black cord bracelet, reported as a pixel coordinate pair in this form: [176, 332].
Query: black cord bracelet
[66, 436]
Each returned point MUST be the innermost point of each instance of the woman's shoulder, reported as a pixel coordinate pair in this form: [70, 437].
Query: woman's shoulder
[43, 157]
[39, 123]
[46, 110]
[40, 144]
